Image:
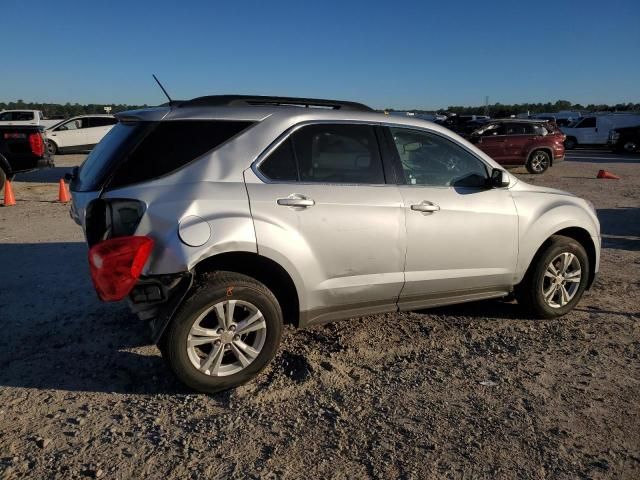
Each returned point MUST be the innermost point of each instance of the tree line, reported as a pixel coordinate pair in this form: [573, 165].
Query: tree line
[55, 110]
[498, 110]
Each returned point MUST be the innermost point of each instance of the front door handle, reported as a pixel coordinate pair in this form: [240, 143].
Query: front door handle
[425, 207]
[296, 200]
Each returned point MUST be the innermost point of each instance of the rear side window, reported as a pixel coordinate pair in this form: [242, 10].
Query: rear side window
[327, 153]
[173, 144]
[518, 129]
[338, 154]
[281, 164]
[101, 121]
[16, 116]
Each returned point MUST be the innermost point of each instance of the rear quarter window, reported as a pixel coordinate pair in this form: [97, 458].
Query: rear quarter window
[171, 145]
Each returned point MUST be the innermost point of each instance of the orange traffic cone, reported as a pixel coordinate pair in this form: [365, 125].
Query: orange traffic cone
[63, 193]
[9, 199]
[607, 175]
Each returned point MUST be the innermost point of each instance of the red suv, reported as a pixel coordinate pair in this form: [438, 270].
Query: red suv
[533, 143]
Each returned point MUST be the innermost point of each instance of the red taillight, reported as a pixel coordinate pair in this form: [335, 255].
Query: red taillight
[116, 265]
[37, 145]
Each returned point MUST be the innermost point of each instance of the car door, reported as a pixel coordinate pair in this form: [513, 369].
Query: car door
[492, 141]
[322, 207]
[585, 131]
[462, 237]
[518, 140]
[71, 134]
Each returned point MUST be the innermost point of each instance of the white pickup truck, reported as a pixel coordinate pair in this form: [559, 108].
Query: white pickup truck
[25, 117]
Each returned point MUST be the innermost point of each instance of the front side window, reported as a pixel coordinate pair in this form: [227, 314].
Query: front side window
[491, 130]
[589, 122]
[429, 159]
[71, 125]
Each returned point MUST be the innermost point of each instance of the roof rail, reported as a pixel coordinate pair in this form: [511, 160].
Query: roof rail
[258, 100]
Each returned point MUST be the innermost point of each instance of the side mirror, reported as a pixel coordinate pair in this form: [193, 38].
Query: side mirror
[498, 178]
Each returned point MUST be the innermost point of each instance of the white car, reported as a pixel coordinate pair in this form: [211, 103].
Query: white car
[78, 133]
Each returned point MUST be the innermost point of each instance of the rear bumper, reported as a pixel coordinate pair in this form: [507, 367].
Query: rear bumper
[156, 298]
[46, 162]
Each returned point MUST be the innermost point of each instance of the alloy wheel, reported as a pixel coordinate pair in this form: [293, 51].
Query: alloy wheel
[561, 280]
[226, 338]
[539, 162]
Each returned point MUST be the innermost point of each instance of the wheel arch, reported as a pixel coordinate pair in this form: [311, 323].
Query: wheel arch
[548, 150]
[581, 236]
[5, 166]
[273, 275]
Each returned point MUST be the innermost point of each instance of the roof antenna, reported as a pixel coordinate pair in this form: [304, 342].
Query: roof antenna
[160, 85]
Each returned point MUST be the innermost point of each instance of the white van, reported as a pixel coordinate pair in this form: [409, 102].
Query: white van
[78, 133]
[594, 129]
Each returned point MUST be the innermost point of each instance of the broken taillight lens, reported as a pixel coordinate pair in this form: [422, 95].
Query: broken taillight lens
[116, 265]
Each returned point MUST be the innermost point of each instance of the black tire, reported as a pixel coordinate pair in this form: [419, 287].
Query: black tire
[530, 291]
[570, 143]
[52, 148]
[219, 287]
[538, 162]
[3, 178]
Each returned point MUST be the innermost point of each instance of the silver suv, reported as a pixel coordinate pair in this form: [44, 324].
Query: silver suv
[224, 217]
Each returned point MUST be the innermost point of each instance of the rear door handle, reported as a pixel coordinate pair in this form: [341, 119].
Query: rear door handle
[296, 200]
[425, 207]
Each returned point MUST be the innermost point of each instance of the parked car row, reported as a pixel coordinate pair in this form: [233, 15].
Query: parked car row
[595, 129]
[25, 117]
[78, 133]
[625, 139]
[536, 144]
[22, 148]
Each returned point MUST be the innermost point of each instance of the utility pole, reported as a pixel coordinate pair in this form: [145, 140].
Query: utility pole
[486, 105]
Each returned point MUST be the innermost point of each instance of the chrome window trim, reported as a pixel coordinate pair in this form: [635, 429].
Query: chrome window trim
[255, 165]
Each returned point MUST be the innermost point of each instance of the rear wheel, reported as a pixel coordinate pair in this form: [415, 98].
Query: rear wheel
[3, 179]
[52, 148]
[538, 162]
[556, 278]
[570, 143]
[630, 147]
[225, 333]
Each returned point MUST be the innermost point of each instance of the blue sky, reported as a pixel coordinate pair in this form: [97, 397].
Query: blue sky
[410, 54]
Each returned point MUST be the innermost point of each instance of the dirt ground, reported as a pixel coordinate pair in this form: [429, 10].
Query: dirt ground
[472, 391]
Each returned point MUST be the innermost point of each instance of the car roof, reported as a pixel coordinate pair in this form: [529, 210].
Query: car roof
[519, 120]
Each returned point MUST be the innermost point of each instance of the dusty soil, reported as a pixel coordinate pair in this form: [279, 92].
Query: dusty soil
[473, 391]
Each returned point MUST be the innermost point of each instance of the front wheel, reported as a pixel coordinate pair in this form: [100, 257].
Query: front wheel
[556, 278]
[224, 334]
[538, 162]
